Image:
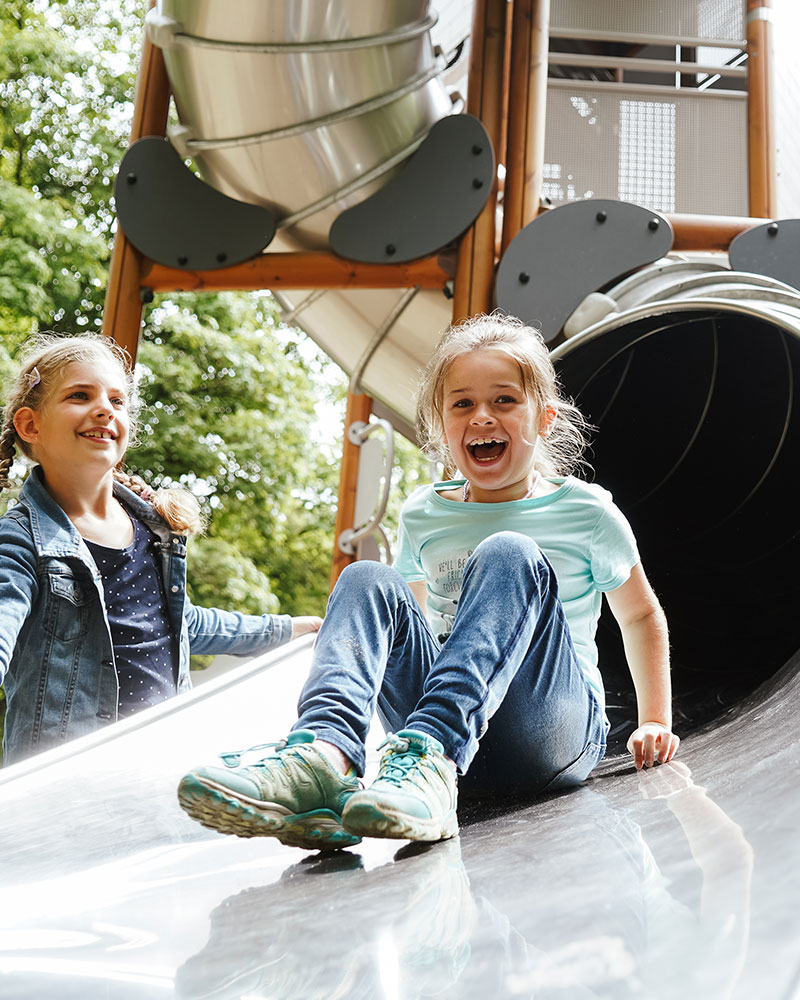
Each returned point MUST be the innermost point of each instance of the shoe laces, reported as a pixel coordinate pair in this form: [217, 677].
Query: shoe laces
[399, 760]
[233, 758]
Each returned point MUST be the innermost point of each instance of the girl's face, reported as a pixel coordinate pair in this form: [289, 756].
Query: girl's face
[83, 424]
[490, 426]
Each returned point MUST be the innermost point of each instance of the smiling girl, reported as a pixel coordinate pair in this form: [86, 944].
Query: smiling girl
[478, 647]
[94, 619]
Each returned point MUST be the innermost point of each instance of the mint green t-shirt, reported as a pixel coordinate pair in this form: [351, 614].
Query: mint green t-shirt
[586, 538]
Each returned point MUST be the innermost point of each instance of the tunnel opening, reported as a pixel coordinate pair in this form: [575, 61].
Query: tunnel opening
[697, 437]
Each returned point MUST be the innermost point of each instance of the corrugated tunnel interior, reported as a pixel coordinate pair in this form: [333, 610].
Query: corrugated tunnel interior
[697, 436]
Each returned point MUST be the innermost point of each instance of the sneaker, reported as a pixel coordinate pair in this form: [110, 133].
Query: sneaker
[413, 797]
[294, 794]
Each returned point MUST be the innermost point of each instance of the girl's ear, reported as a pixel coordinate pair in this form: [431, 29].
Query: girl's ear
[547, 421]
[26, 424]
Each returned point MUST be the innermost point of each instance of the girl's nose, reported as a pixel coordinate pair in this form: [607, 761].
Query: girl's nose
[482, 415]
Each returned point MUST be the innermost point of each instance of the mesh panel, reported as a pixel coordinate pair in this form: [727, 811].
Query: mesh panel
[674, 20]
[669, 152]
[786, 93]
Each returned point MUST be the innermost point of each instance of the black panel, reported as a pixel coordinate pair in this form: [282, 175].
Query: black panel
[558, 259]
[172, 217]
[772, 249]
[434, 198]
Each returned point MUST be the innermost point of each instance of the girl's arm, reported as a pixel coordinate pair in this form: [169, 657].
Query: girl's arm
[419, 588]
[644, 635]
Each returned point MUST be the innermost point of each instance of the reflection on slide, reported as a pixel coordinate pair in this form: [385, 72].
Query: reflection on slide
[414, 927]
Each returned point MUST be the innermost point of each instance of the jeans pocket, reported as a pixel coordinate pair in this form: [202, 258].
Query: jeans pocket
[579, 769]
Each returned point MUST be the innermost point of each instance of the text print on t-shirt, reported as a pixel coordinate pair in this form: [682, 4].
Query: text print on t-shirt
[450, 571]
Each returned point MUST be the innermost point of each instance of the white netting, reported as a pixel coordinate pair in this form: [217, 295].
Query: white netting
[672, 20]
[681, 152]
[786, 92]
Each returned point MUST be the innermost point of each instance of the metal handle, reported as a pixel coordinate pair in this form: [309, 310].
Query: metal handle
[357, 434]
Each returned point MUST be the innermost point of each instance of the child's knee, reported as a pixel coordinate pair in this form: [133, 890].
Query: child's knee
[507, 546]
[367, 573]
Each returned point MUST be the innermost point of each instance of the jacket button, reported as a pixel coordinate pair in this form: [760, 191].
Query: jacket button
[174, 589]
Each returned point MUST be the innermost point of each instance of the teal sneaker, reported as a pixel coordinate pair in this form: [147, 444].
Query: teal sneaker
[413, 797]
[294, 794]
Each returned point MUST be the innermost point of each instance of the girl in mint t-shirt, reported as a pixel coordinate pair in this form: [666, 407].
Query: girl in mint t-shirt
[477, 648]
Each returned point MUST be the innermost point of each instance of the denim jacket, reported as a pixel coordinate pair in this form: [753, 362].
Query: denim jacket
[56, 653]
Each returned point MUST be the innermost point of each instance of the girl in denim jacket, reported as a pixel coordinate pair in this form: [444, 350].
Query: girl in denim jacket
[477, 647]
[95, 623]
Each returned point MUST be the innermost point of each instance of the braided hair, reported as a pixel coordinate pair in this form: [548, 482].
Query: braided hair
[44, 361]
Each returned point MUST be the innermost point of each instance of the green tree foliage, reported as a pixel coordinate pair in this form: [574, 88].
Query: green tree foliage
[66, 81]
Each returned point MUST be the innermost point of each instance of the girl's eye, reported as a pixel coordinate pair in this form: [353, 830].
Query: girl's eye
[78, 394]
[461, 404]
[119, 401]
[506, 399]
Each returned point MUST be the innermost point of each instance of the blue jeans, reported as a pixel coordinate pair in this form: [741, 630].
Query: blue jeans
[504, 694]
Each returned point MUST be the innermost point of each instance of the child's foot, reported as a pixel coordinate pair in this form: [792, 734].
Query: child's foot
[413, 797]
[294, 794]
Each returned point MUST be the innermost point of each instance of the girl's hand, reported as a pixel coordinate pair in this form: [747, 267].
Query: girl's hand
[305, 624]
[652, 743]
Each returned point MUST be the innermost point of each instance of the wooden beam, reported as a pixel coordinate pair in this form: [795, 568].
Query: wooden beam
[122, 314]
[359, 408]
[486, 100]
[527, 105]
[708, 232]
[314, 269]
[760, 116]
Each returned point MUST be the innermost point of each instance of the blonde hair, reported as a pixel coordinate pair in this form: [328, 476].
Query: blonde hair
[557, 454]
[43, 364]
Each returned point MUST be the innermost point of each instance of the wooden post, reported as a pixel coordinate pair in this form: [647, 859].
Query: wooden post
[486, 99]
[760, 123]
[359, 408]
[122, 315]
[527, 106]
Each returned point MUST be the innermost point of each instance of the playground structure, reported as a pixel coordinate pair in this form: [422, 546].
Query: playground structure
[673, 312]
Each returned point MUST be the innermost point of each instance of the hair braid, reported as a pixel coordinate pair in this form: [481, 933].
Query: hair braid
[8, 438]
[176, 505]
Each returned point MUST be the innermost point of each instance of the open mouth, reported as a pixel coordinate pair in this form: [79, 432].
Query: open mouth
[486, 449]
[99, 435]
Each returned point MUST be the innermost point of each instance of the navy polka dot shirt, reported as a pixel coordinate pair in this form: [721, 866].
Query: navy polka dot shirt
[144, 650]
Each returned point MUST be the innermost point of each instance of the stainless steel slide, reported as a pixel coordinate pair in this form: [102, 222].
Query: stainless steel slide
[677, 883]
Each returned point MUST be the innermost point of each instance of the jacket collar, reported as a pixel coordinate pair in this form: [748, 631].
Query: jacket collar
[53, 532]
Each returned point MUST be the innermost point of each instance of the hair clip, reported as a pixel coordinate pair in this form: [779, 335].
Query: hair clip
[33, 377]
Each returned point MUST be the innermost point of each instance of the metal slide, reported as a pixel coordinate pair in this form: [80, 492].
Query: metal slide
[676, 883]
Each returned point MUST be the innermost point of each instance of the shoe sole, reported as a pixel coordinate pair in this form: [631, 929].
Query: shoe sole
[366, 819]
[215, 807]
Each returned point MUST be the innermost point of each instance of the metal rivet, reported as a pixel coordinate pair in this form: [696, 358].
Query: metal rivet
[221, 258]
[182, 261]
[174, 589]
[653, 224]
[524, 278]
[601, 216]
[477, 150]
[390, 249]
[772, 229]
[131, 179]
